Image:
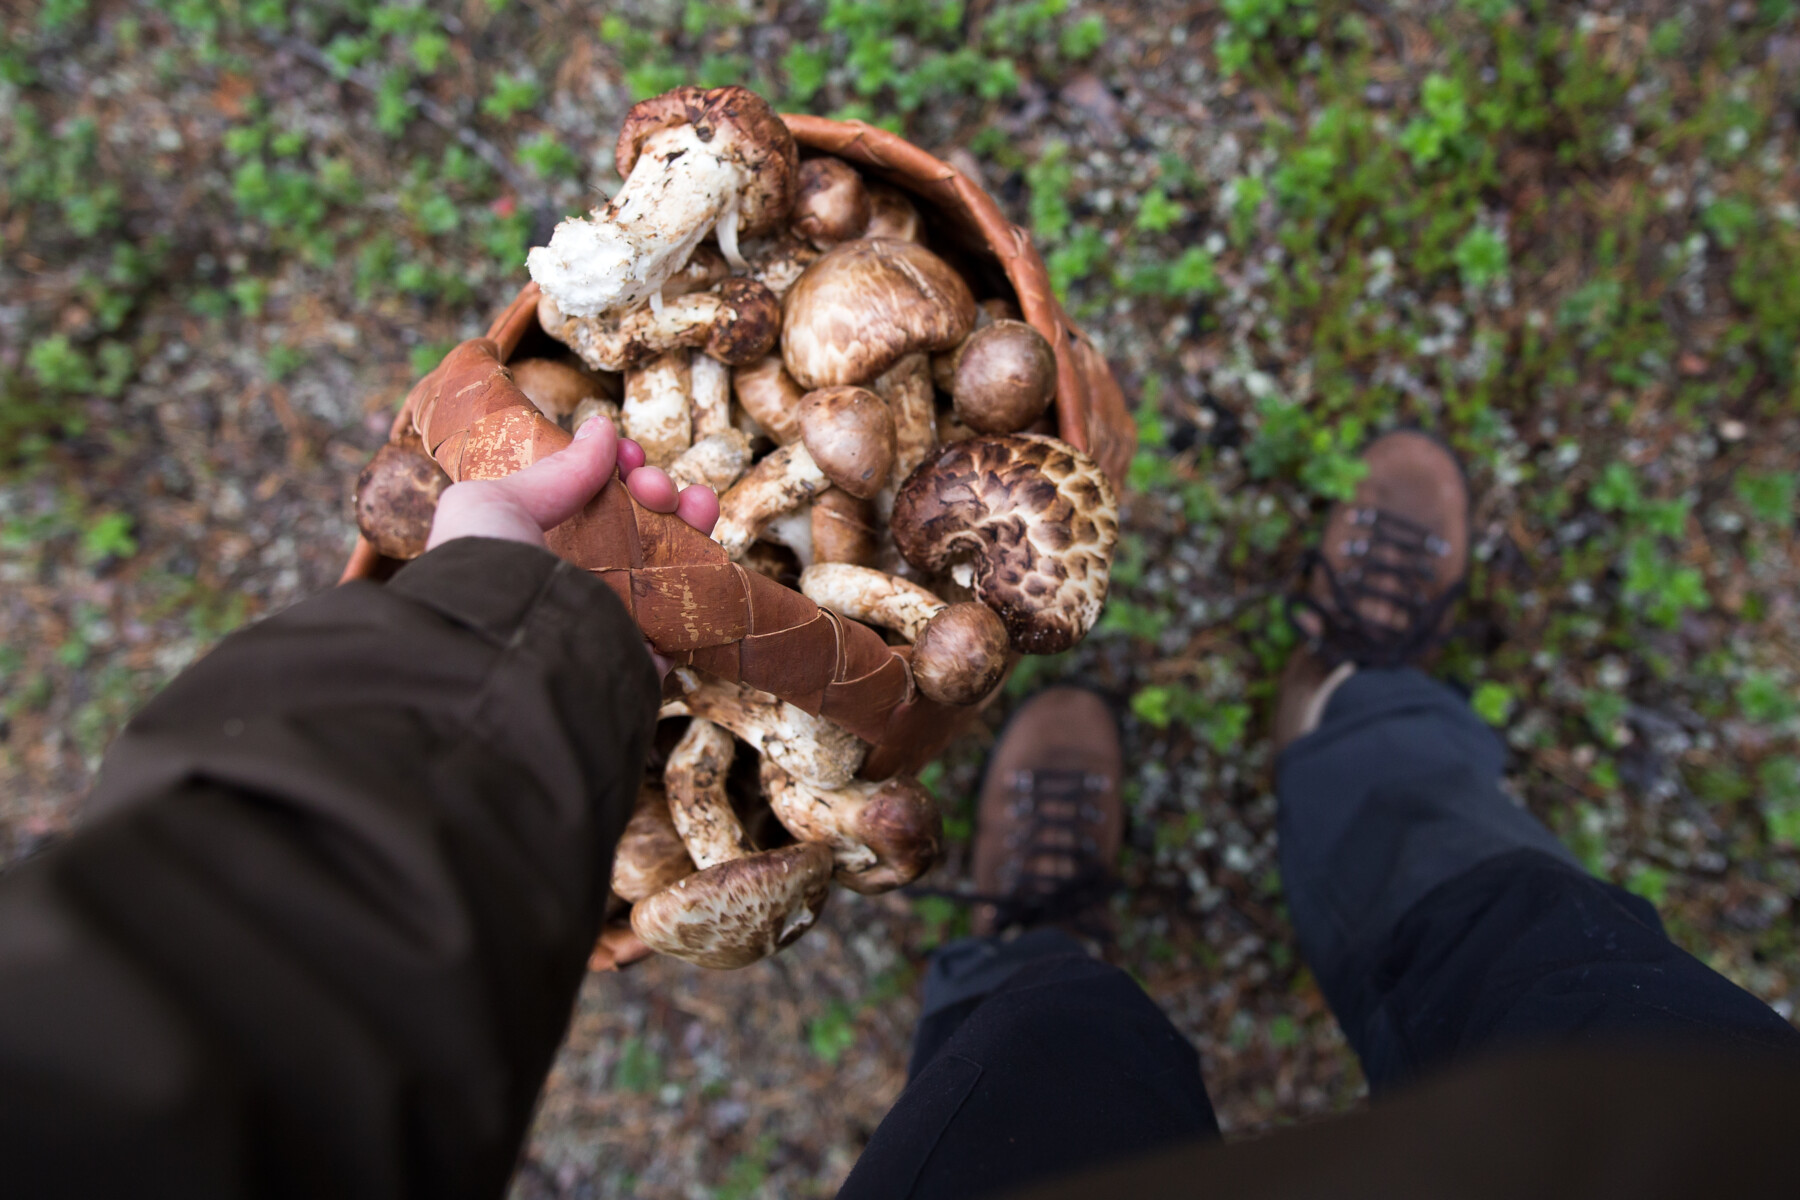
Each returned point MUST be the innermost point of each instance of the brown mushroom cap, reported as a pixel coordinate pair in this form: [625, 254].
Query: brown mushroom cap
[558, 388]
[1004, 379]
[850, 434]
[844, 529]
[961, 654]
[650, 855]
[396, 498]
[740, 911]
[737, 124]
[830, 205]
[891, 213]
[866, 303]
[1027, 521]
[769, 394]
[750, 326]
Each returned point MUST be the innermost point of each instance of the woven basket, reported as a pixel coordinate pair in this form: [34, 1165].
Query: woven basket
[964, 222]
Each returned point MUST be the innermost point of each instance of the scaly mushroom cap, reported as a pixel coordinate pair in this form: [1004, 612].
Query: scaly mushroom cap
[396, 498]
[737, 124]
[1004, 377]
[650, 855]
[1027, 521]
[740, 911]
[882, 835]
[849, 431]
[961, 654]
[866, 303]
[831, 205]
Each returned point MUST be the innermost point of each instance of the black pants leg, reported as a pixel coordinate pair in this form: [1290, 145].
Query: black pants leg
[1441, 919]
[1032, 1059]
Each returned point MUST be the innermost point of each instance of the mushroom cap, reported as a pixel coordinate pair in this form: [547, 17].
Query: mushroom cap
[866, 303]
[650, 855]
[738, 125]
[750, 322]
[891, 213]
[740, 911]
[396, 498]
[769, 394]
[830, 205]
[1004, 379]
[1027, 521]
[844, 529]
[557, 388]
[961, 654]
[882, 835]
[850, 434]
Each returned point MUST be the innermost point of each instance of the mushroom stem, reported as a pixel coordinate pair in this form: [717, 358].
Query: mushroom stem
[655, 413]
[694, 780]
[959, 650]
[716, 460]
[709, 390]
[882, 835]
[907, 388]
[793, 529]
[783, 480]
[809, 747]
[735, 323]
[871, 596]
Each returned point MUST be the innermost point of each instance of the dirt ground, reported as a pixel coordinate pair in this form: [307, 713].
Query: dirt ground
[1563, 235]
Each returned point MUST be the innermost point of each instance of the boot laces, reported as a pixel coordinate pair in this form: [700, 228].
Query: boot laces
[1391, 560]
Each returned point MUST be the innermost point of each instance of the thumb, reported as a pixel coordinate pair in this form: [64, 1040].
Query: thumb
[555, 488]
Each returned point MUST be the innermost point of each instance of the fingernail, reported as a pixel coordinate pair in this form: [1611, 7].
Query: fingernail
[589, 428]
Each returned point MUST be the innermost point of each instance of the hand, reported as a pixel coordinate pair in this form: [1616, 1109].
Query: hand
[521, 507]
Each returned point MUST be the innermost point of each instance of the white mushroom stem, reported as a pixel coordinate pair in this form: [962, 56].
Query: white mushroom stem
[655, 413]
[871, 596]
[623, 339]
[792, 529]
[709, 392]
[716, 461]
[591, 408]
[808, 747]
[785, 479]
[619, 256]
[694, 780]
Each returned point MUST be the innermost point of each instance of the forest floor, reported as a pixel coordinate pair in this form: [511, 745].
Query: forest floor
[1565, 236]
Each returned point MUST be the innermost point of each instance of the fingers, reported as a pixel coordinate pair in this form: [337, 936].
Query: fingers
[652, 488]
[698, 505]
[631, 456]
[553, 489]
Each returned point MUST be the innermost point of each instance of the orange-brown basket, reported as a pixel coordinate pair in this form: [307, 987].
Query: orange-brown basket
[961, 220]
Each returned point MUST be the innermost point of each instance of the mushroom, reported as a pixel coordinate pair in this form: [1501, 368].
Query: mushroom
[864, 305]
[709, 394]
[891, 214]
[735, 323]
[949, 429]
[655, 413]
[846, 439]
[769, 394]
[994, 308]
[694, 781]
[1004, 377]
[1027, 521]
[396, 498]
[793, 529]
[830, 203]
[843, 529]
[959, 650]
[694, 161]
[906, 386]
[812, 748]
[882, 835]
[738, 912]
[704, 270]
[558, 389]
[716, 461]
[778, 262]
[650, 855]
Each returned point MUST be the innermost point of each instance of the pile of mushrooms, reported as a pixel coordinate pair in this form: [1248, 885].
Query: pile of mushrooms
[779, 330]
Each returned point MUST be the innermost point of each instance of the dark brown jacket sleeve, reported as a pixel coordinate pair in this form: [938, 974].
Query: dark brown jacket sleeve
[322, 928]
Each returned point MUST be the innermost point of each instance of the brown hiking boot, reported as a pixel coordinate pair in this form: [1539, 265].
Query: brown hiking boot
[1378, 590]
[1051, 819]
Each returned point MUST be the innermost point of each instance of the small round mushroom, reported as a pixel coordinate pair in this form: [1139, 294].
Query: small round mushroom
[847, 440]
[867, 303]
[812, 748]
[844, 530]
[396, 498]
[694, 781]
[830, 204]
[737, 322]
[891, 213]
[1004, 378]
[959, 650]
[558, 388]
[650, 855]
[882, 835]
[694, 161]
[738, 912]
[655, 414]
[1027, 521]
[769, 394]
